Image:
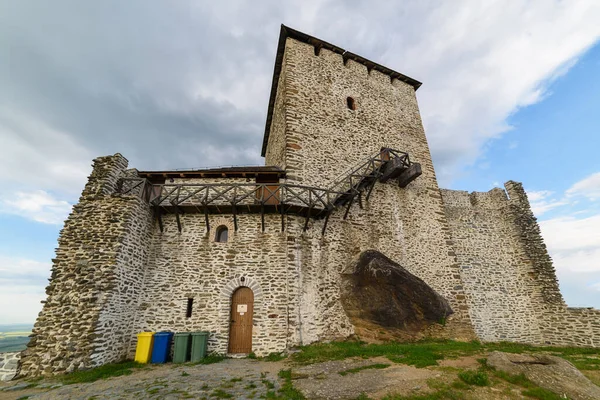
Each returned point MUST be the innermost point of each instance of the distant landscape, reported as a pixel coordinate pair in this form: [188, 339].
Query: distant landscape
[14, 337]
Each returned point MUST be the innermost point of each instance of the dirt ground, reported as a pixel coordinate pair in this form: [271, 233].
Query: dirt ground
[252, 379]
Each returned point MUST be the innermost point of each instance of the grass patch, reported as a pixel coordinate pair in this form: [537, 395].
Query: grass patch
[420, 354]
[272, 357]
[541, 394]
[102, 372]
[185, 374]
[288, 391]
[358, 369]
[221, 394]
[428, 352]
[445, 393]
[268, 384]
[211, 359]
[477, 378]
[531, 389]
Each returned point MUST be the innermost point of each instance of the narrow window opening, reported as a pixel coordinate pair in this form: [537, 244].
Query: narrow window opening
[222, 234]
[188, 311]
[351, 103]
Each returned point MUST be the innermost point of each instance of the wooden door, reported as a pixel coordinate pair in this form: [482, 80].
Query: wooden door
[242, 311]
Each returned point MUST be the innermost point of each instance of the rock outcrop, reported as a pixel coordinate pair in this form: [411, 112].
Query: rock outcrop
[550, 372]
[378, 293]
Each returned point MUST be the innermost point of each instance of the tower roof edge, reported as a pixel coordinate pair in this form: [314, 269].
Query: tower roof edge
[286, 32]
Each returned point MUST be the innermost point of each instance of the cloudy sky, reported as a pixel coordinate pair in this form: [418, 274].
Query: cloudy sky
[511, 91]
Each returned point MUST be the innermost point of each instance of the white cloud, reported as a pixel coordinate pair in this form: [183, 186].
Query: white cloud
[204, 77]
[572, 237]
[22, 284]
[542, 201]
[37, 205]
[574, 245]
[588, 187]
[35, 155]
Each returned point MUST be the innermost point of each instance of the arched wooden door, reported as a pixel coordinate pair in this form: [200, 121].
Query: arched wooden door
[242, 311]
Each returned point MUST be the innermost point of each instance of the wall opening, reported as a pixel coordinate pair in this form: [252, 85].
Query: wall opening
[242, 313]
[188, 310]
[351, 103]
[222, 234]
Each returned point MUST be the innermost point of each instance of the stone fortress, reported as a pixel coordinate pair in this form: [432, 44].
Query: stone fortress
[258, 256]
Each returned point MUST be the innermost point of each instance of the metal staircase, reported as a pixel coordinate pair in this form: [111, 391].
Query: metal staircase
[281, 198]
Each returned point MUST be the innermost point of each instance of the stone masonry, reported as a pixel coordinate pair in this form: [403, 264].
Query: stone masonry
[118, 273]
[8, 365]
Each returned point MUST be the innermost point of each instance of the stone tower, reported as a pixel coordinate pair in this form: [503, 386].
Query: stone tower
[329, 110]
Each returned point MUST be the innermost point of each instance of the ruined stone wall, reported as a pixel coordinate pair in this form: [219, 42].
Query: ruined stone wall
[66, 334]
[503, 294]
[324, 139]
[114, 332]
[511, 284]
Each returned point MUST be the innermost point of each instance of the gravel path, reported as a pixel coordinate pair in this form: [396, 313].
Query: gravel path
[231, 378]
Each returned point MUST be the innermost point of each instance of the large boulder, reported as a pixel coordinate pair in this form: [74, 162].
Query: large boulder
[383, 300]
[550, 372]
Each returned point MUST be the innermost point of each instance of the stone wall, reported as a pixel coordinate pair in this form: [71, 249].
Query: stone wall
[324, 138]
[511, 284]
[87, 275]
[8, 365]
[191, 264]
[114, 332]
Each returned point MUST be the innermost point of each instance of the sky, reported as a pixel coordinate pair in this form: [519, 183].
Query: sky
[511, 90]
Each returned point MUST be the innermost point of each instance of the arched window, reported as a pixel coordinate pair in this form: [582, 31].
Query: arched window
[222, 233]
[351, 103]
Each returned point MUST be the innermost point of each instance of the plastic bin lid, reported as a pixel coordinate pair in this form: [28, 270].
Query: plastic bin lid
[145, 334]
[200, 333]
[163, 333]
[182, 334]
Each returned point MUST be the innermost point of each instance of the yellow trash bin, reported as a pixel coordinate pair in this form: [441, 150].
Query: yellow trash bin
[143, 350]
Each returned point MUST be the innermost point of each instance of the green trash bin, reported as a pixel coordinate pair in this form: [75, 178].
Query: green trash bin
[199, 346]
[181, 350]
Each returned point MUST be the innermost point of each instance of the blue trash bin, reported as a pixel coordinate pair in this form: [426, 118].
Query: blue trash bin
[162, 346]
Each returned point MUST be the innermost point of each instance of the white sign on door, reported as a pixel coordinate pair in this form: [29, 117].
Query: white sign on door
[242, 308]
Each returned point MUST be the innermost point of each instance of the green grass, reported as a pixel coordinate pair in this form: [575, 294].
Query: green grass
[102, 372]
[420, 354]
[268, 384]
[221, 394]
[445, 393]
[358, 369]
[477, 378]
[288, 391]
[274, 357]
[541, 394]
[428, 352]
[531, 389]
[211, 359]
